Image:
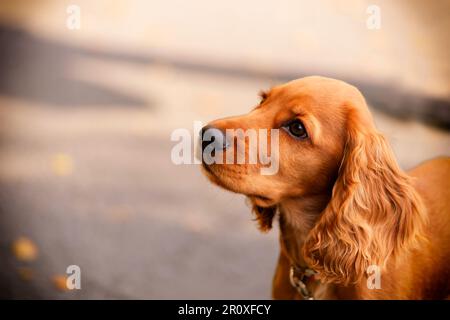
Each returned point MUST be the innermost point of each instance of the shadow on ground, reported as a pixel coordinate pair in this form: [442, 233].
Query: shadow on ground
[33, 68]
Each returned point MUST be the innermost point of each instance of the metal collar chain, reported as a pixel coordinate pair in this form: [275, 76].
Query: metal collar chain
[299, 278]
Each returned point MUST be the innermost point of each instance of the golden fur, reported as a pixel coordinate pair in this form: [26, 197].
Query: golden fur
[344, 203]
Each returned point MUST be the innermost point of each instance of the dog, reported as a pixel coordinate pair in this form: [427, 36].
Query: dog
[353, 225]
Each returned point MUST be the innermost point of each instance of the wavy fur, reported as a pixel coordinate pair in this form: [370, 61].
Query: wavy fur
[374, 212]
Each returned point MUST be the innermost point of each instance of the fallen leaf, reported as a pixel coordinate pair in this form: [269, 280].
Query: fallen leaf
[59, 281]
[62, 164]
[24, 249]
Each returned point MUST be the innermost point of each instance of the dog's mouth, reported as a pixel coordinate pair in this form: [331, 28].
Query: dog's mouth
[207, 168]
[221, 182]
[210, 173]
[213, 176]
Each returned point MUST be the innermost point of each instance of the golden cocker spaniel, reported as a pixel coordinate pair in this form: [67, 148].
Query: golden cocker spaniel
[353, 225]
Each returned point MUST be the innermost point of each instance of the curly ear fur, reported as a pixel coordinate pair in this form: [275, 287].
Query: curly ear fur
[264, 216]
[374, 212]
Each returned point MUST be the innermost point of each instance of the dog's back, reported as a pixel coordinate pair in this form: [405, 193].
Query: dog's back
[432, 181]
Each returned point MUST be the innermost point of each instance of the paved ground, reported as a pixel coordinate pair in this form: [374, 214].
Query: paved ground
[86, 117]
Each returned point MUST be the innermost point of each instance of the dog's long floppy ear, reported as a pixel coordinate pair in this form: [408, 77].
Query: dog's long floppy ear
[374, 212]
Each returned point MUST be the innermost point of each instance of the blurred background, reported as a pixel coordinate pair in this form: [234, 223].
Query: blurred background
[86, 115]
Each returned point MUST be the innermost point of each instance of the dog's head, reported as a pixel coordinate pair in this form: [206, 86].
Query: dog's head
[310, 115]
[327, 143]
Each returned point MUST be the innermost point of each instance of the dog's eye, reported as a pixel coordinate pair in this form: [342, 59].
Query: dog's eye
[296, 129]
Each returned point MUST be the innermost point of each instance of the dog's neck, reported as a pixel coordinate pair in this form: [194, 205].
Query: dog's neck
[297, 217]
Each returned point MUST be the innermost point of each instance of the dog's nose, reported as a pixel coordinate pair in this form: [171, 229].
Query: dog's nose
[216, 137]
